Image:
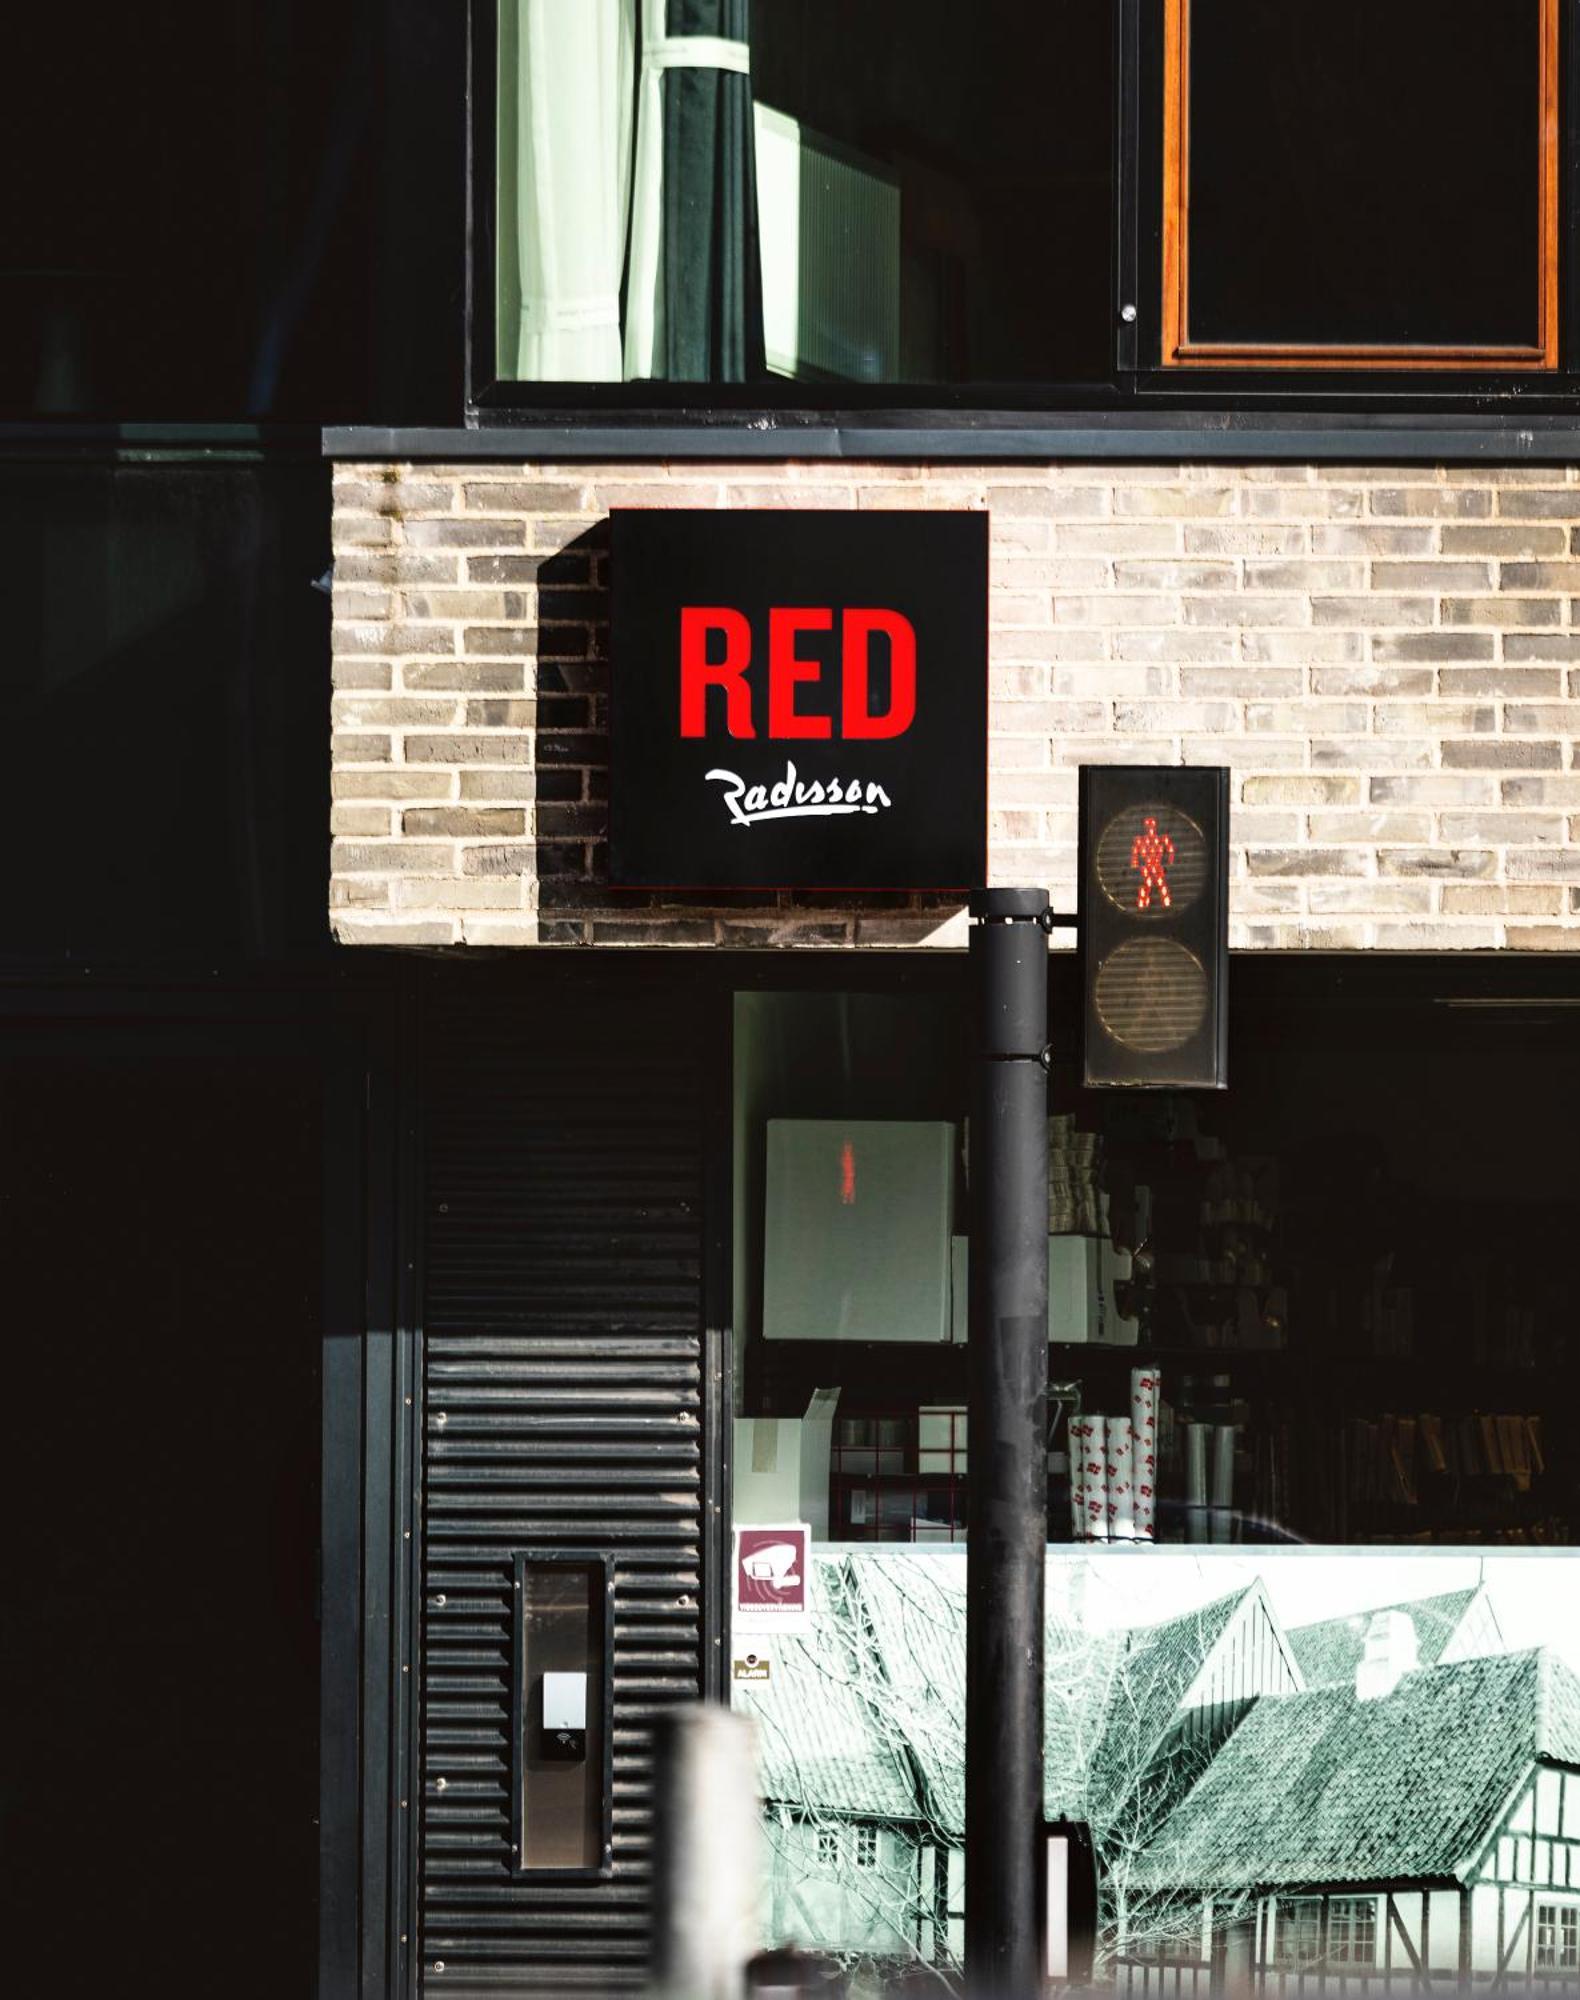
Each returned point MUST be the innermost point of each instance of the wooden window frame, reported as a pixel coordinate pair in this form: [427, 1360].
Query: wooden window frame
[1180, 351]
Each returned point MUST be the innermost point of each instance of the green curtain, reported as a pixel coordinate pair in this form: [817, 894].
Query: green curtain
[713, 303]
[694, 294]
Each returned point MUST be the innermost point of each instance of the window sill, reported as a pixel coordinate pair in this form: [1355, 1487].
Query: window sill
[974, 436]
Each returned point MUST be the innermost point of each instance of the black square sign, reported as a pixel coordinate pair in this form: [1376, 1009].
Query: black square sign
[799, 700]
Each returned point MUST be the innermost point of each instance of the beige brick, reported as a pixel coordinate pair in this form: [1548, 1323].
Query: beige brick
[1551, 718]
[394, 785]
[1334, 828]
[392, 495]
[1174, 576]
[1543, 864]
[389, 857]
[1309, 791]
[362, 822]
[1432, 789]
[353, 746]
[498, 747]
[1493, 755]
[465, 822]
[1539, 576]
[1502, 612]
[379, 638]
[1558, 503]
[501, 641]
[1437, 503]
[1435, 646]
[1244, 611]
[1372, 680]
[1438, 577]
[392, 931]
[1115, 540]
[445, 893]
[1337, 503]
[1305, 648]
[515, 496]
[1362, 539]
[1436, 937]
[1289, 718]
[1115, 610]
[1462, 863]
[1241, 683]
[1377, 609]
[1374, 899]
[1525, 682]
[1176, 503]
[1111, 679]
[1306, 577]
[1493, 899]
[368, 676]
[512, 783]
[1177, 647]
[1519, 646]
[1418, 718]
[358, 711]
[465, 676]
[1524, 938]
[1304, 861]
[1506, 829]
[1245, 538]
[1146, 717]
[458, 534]
[1526, 542]
[1541, 791]
[1359, 753]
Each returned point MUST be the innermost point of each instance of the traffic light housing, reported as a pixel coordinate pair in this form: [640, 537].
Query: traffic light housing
[1154, 925]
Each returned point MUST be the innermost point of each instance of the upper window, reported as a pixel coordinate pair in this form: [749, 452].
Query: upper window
[1359, 183]
[807, 203]
[802, 191]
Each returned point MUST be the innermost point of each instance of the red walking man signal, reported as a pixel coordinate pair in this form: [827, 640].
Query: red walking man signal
[1152, 854]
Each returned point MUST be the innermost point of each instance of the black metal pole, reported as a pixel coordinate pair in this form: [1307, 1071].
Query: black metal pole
[1007, 1537]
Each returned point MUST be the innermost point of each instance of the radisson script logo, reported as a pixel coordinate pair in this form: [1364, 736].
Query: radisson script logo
[791, 797]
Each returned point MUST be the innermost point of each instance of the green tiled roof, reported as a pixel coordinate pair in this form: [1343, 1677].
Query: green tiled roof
[1319, 1788]
[1329, 1653]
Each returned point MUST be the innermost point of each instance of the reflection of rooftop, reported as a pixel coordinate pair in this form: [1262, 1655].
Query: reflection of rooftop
[1455, 1625]
[1321, 1788]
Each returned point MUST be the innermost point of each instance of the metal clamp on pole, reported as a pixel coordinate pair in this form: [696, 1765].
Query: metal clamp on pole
[1007, 1536]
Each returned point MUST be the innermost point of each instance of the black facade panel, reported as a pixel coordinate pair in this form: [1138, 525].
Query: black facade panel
[563, 1391]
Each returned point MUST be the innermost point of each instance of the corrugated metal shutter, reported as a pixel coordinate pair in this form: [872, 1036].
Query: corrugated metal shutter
[563, 1408]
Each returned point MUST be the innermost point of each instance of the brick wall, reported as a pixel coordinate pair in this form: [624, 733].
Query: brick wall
[1388, 660]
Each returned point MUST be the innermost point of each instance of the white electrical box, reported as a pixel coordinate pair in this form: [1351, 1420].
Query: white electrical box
[564, 1701]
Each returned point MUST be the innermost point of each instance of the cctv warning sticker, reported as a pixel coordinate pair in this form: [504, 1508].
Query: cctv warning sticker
[771, 1571]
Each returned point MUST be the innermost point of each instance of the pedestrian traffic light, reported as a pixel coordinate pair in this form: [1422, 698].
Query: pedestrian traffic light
[1154, 909]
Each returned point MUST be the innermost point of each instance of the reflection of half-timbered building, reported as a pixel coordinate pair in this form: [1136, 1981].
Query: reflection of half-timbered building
[1383, 1803]
[1414, 1828]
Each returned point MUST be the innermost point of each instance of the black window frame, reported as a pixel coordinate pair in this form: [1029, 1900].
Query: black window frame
[1139, 386]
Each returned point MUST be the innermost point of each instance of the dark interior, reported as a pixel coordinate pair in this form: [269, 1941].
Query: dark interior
[168, 651]
[1336, 193]
[1356, 1236]
[1005, 167]
[161, 1233]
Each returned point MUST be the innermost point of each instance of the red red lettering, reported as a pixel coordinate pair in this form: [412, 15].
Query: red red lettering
[698, 673]
[786, 671]
[856, 707]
